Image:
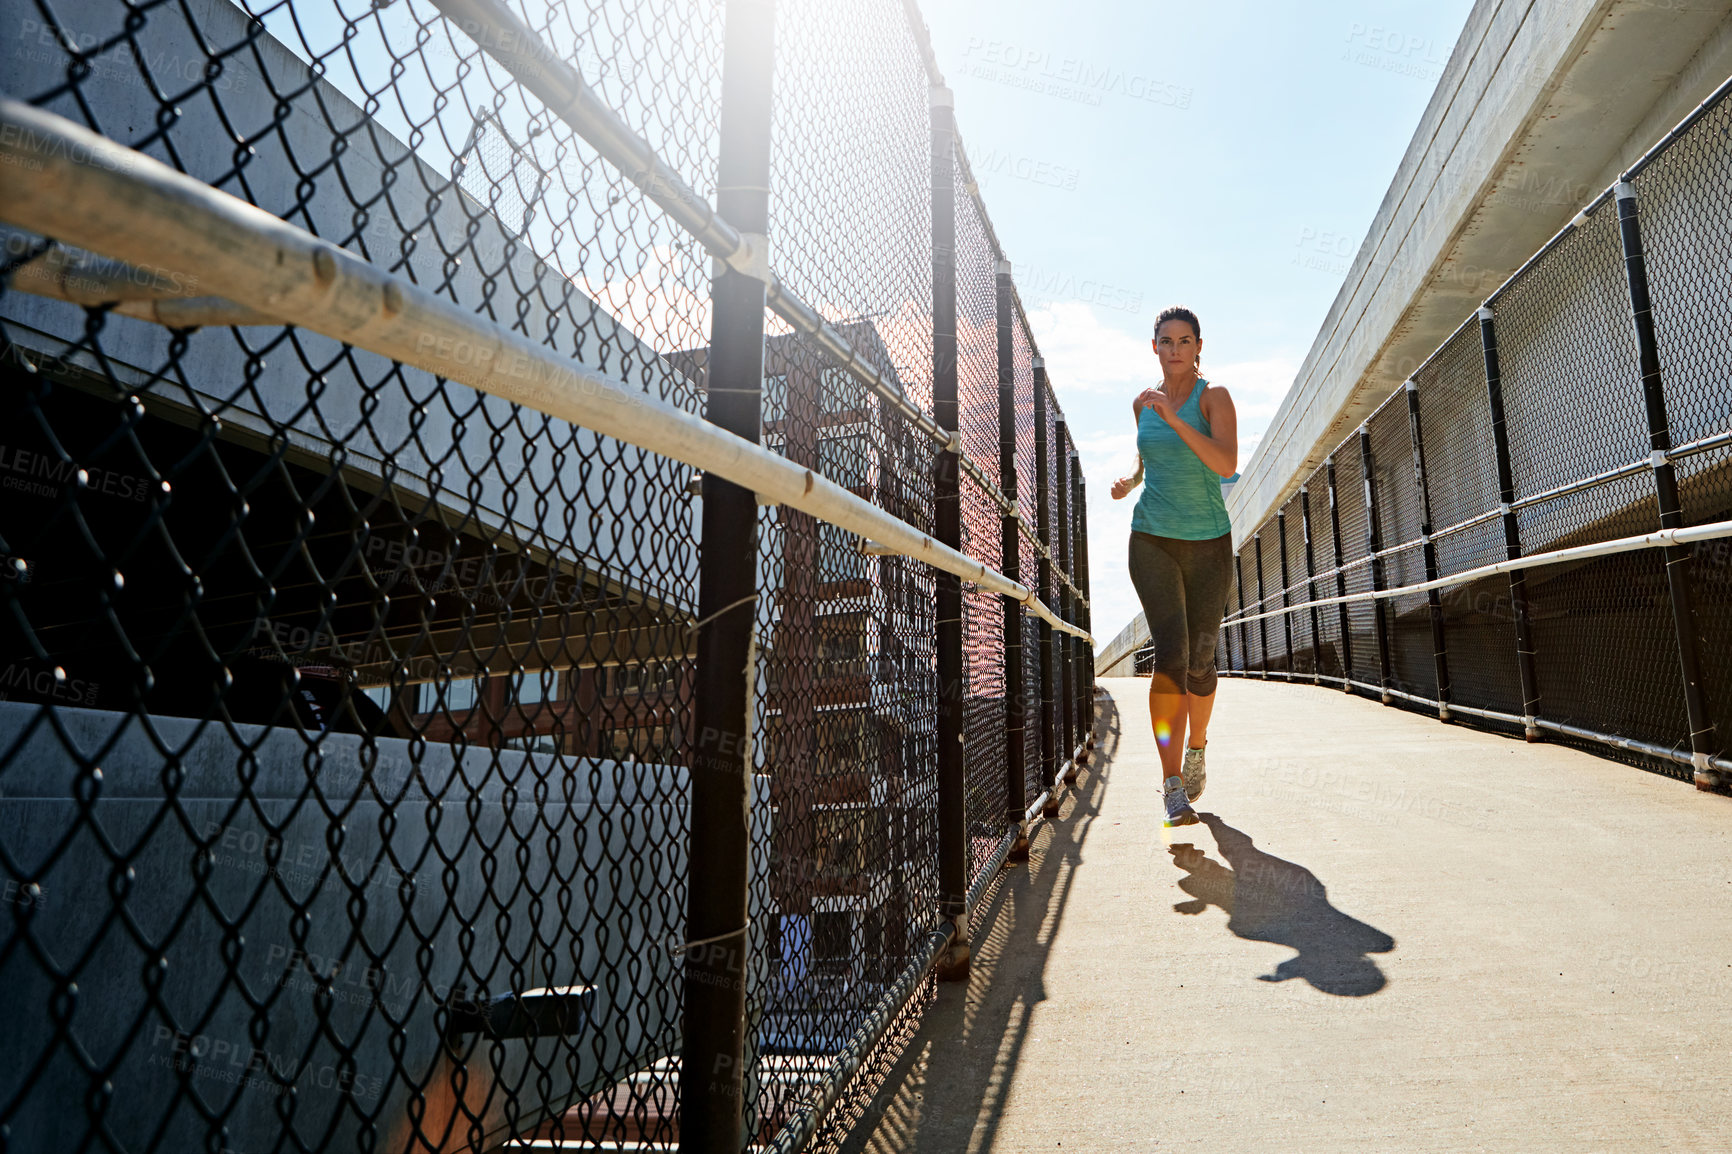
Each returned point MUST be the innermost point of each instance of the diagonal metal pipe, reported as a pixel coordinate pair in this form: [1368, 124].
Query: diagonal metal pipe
[561, 87]
[60, 180]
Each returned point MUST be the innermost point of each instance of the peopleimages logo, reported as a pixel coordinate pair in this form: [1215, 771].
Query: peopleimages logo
[996, 162]
[1066, 77]
[53, 43]
[252, 1067]
[1391, 50]
[39, 475]
[1041, 286]
[50, 683]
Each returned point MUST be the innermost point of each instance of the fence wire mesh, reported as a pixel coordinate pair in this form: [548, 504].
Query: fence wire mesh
[1028, 495]
[1598, 420]
[983, 612]
[346, 725]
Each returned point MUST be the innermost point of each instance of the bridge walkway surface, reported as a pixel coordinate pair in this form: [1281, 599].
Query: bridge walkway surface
[1390, 934]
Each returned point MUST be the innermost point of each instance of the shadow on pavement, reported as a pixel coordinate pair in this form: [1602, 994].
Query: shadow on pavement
[1268, 899]
[946, 1091]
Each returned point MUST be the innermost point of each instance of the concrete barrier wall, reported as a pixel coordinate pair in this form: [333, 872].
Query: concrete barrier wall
[263, 927]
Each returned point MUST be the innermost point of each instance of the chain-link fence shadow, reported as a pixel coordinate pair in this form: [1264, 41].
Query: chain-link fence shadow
[947, 1091]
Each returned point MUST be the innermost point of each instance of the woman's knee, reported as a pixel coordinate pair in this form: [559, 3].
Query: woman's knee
[1201, 664]
[1167, 683]
[1169, 674]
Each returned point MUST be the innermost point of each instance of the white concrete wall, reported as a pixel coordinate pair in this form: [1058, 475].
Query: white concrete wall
[1115, 659]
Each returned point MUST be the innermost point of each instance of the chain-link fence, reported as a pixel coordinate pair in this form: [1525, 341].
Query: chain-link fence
[543, 576]
[1533, 534]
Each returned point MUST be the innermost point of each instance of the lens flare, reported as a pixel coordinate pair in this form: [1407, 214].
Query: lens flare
[1163, 734]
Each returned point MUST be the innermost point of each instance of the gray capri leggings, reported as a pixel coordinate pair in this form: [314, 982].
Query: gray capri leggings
[1183, 587]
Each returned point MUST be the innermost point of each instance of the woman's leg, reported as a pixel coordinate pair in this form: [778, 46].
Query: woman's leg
[1201, 706]
[1207, 574]
[1168, 712]
[1160, 587]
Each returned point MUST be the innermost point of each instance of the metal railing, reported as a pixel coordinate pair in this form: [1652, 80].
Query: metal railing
[477, 673]
[1532, 534]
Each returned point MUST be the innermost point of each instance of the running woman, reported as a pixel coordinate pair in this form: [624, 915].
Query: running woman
[1182, 547]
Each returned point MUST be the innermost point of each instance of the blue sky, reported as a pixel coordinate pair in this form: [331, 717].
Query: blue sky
[1227, 155]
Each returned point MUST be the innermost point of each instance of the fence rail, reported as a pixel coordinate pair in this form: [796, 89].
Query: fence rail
[477, 672]
[1533, 532]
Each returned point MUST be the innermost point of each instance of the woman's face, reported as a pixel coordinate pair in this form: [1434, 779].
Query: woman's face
[1177, 346]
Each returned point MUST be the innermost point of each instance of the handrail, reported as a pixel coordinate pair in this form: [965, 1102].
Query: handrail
[1660, 539]
[61, 180]
[1701, 445]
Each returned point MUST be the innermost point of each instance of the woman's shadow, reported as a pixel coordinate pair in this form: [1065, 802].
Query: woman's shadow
[1267, 899]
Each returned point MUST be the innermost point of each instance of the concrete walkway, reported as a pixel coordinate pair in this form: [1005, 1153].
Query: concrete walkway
[1390, 935]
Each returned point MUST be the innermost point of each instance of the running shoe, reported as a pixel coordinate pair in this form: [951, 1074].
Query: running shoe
[1179, 811]
[1194, 773]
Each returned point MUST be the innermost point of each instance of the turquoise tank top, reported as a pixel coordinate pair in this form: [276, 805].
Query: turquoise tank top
[1181, 495]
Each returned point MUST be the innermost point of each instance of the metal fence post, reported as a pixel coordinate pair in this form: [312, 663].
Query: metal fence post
[1066, 652]
[718, 856]
[947, 526]
[1286, 601]
[1373, 544]
[1086, 696]
[1227, 628]
[1666, 488]
[1080, 652]
[1311, 586]
[1439, 656]
[1518, 584]
[1010, 538]
[1262, 622]
[1342, 619]
[1243, 664]
[1044, 579]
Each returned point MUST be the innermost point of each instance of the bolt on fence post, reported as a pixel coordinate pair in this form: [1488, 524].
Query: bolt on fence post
[1666, 487]
[1010, 537]
[947, 527]
[1262, 622]
[1044, 579]
[1341, 615]
[1311, 586]
[1286, 601]
[1439, 656]
[1518, 583]
[1066, 656]
[714, 1043]
[1373, 543]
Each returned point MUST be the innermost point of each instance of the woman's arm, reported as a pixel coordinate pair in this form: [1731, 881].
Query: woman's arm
[1219, 450]
[1125, 484]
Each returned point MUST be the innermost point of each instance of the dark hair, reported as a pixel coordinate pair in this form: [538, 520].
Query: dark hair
[1179, 313]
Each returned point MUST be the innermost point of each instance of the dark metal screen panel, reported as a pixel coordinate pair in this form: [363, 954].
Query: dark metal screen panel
[1461, 478]
[1688, 237]
[1296, 627]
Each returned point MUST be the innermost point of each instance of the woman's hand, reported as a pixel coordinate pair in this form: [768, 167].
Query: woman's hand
[1123, 486]
[1158, 401]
